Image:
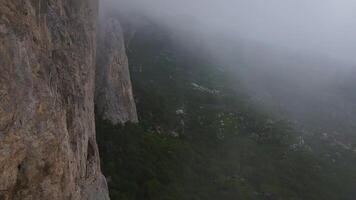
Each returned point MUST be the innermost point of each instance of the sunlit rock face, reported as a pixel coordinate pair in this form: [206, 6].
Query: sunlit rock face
[48, 148]
[113, 96]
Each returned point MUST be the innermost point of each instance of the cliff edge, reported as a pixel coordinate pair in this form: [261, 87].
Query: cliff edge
[113, 94]
[48, 147]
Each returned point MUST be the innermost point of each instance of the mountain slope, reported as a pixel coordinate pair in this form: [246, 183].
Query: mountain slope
[200, 137]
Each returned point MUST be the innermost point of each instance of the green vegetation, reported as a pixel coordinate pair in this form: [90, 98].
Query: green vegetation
[199, 138]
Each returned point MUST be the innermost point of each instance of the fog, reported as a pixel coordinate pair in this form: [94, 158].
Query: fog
[326, 27]
[296, 56]
[287, 62]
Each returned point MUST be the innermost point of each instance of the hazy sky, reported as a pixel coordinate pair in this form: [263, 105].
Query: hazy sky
[323, 26]
[278, 69]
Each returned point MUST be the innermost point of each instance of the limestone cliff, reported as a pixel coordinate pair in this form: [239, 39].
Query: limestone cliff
[47, 133]
[113, 95]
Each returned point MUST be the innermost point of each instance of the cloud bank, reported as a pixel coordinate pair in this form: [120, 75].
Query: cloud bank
[325, 27]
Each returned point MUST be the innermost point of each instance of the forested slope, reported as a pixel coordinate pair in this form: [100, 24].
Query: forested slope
[200, 137]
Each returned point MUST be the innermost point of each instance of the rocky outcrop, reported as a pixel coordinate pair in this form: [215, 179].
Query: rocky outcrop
[113, 95]
[47, 133]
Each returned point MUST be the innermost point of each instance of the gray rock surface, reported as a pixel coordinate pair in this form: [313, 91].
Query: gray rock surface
[113, 95]
[48, 148]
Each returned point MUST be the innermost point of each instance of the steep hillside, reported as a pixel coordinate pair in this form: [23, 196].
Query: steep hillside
[200, 137]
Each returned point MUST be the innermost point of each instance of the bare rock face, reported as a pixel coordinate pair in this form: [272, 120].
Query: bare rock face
[47, 133]
[113, 95]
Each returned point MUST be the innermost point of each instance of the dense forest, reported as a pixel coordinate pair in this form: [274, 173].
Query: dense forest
[200, 136]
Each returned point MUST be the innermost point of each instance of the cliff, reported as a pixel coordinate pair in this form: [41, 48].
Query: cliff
[113, 95]
[48, 147]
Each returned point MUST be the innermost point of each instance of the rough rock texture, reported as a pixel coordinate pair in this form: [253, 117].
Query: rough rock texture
[47, 132]
[113, 95]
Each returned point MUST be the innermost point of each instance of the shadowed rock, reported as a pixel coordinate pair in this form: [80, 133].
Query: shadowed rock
[113, 96]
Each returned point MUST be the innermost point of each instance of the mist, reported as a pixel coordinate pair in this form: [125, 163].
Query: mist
[326, 27]
[295, 57]
[284, 69]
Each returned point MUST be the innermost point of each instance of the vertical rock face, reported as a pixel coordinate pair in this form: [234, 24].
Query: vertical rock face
[113, 95]
[47, 132]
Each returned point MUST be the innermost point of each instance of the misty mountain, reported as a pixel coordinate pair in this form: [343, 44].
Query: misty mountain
[312, 90]
[177, 100]
[202, 134]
